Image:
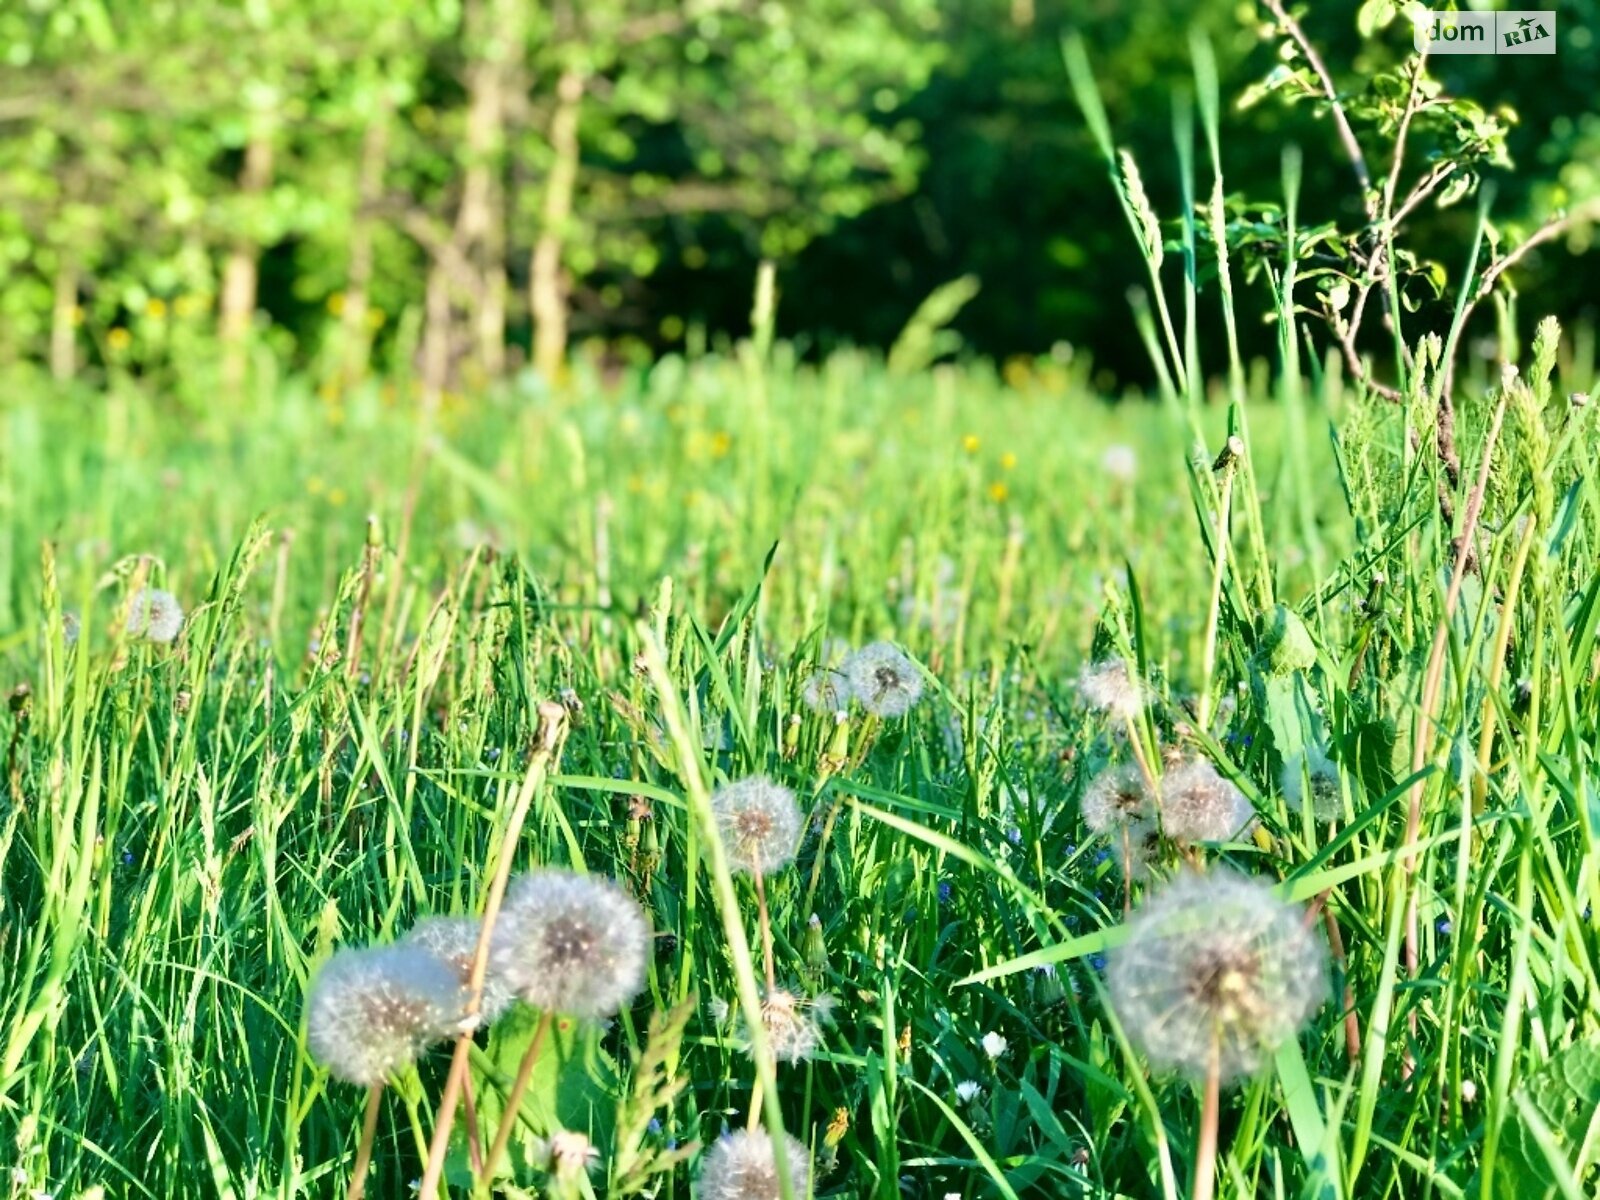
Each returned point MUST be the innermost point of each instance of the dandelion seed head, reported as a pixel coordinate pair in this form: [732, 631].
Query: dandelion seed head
[994, 1045]
[790, 1027]
[371, 1011]
[759, 821]
[1326, 793]
[1215, 956]
[826, 691]
[572, 944]
[884, 680]
[1117, 796]
[1199, 805]
[1109, 687]
[155, 615]
[454, 940]
[571, 1154]
[743, 1166]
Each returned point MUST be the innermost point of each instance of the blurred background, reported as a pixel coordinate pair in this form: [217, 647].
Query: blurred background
[468, 187]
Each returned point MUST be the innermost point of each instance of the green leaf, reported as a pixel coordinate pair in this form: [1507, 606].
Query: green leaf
[1556, 1118]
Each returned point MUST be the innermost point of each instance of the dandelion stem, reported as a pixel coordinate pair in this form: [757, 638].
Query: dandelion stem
[1205, 1151]
[753, 1121]
[1127, 871]
[822, 852]
[369, 1133]
[519, 1088]
[551, 733]
[766, 930]
[1208, 665]
[469, 1109]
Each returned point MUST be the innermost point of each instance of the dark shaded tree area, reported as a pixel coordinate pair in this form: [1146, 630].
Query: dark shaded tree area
[468, 187]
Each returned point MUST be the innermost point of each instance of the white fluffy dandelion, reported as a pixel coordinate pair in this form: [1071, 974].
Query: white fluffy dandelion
[572, 1154]
[826, 691]
[155, 615]
[1110, 687]
[968, 1090]
[572, 944]
[1215, 963]
[995, 1045]
[1199, 805]
[1120, 463]
[454, 940]
[759, 821]
[1116, 797]
[791, 1026]
[743, 1166]
[1327, 795]
[372, 1011]
[884, 680]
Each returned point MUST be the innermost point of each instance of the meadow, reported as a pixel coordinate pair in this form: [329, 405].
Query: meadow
[750, 776]
[381, 605]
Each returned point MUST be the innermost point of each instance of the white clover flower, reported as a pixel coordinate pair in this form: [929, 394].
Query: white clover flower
[372, 1011]
[968, 1090]
[1215, 963]
[994, 1045]
[884, 680]
[743, 1166]
[759, 822]
[155, 615]
[572, 944]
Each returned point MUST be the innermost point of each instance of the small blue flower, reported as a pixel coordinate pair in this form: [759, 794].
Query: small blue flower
[1444, 925]
[1101, 855]
[127, 858]
[1097, 961]
[1014, 836]
[1072, 848]
[944, 891]
[655, 1125]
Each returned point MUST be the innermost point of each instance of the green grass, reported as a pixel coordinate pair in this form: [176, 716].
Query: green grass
[187, 830]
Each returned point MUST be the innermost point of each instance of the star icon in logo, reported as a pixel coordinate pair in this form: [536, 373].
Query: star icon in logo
[1524, 23]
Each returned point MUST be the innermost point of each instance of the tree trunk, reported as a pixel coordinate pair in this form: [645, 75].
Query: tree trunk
[238, 302]
[497, 30]
[435, 337]
[547, 293]
[63, 329]
[356, 349]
